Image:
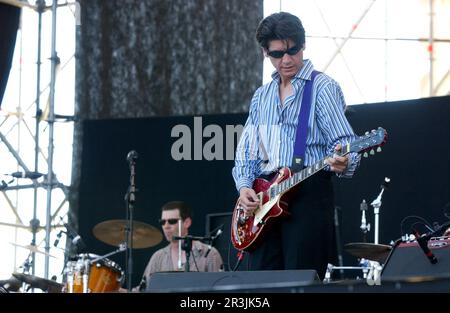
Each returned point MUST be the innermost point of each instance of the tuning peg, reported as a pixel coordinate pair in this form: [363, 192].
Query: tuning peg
[367, 133]
[379, 149]
[365, 155]
[372, 152]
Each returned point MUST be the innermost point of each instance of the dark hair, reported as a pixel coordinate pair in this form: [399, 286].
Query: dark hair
[280, 26]
[185, 210]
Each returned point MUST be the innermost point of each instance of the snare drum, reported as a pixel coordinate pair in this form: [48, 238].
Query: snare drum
[83, 276]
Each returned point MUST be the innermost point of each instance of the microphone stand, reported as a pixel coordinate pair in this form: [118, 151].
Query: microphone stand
[187, 246]
[338, 239]
[376, 207]
[130, 200]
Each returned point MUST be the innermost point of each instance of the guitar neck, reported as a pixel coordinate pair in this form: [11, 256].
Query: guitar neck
[300, 176]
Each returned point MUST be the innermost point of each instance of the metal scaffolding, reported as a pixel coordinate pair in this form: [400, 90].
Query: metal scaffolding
[49, 180]
[341, 41]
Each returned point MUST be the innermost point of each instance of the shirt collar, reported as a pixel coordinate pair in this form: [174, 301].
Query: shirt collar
[303, 73]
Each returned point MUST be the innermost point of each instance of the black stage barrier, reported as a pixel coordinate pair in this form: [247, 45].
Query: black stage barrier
[229, 281]
[290, 282]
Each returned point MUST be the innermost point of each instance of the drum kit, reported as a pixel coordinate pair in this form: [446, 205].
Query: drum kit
[88, 272]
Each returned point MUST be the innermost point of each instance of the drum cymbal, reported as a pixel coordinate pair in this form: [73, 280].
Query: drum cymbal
[32, 248]
[370, 251]
[48, 285]
[112, 232]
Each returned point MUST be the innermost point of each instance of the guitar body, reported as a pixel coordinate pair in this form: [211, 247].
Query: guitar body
[245, 231]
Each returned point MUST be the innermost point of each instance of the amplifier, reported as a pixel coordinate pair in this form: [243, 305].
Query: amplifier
[408, 260]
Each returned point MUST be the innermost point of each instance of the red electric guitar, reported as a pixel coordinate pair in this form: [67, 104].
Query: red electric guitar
[273, 195]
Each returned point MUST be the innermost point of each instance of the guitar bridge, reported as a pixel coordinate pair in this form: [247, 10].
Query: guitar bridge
[242, 219]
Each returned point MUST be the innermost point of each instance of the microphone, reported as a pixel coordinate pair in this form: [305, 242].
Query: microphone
[176, 238]
[189, 237]
[76, 238]
[132, 156]
[58, 237]
[423, 244]
[213, 238]
[219, 232]
[30, 175]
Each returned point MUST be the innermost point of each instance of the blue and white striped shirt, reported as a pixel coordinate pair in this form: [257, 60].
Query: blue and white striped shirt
[267, 141]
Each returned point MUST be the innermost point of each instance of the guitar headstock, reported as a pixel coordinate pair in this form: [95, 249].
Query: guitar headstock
[370, 141]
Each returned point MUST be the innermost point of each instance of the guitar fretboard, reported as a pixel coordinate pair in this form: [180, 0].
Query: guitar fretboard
[302, 175]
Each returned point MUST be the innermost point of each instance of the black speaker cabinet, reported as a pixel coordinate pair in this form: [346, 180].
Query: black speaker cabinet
[268, 281]
[408, 260]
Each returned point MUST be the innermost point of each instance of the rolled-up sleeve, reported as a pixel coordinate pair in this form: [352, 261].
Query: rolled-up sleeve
[334, 124]
[247, 163]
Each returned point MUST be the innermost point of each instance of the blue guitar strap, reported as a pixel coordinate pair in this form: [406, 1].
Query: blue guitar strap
[298, 158]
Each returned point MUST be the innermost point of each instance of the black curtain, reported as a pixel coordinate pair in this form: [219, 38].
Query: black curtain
[9, 23]
[414, 157]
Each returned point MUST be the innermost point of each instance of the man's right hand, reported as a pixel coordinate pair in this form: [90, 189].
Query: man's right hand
[248, 200]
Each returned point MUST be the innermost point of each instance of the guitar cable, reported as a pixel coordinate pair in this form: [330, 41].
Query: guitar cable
[240, 257]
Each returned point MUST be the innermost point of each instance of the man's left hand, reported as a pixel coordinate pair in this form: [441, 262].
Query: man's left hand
[337, 163]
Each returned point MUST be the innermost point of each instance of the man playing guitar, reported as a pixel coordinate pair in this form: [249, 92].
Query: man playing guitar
[306, 239]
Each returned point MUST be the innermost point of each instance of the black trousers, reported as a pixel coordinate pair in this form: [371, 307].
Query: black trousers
[305, 239]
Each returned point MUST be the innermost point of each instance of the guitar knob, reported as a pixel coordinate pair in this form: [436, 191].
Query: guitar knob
[372, 152]
[365, 155]
[379, 149]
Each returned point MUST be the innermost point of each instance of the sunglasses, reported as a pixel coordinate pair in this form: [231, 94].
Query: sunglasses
[171, 221]
[278, 54]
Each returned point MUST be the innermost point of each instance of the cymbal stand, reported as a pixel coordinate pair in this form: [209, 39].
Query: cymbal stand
[331, 268]
[27, 264]
[87, 269]
[371, 271]
[122, 247]
[130, 200]
[374, 275]
[376, 208]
